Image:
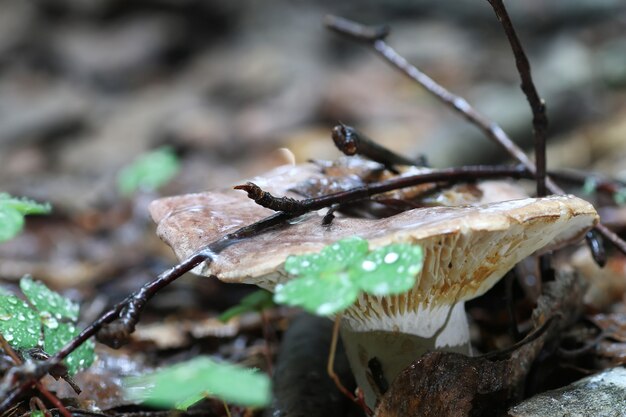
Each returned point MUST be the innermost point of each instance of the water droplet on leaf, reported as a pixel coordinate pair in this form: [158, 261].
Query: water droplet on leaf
[368, 265]
[391, 257]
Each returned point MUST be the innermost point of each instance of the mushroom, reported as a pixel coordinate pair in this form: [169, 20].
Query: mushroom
[467, 250]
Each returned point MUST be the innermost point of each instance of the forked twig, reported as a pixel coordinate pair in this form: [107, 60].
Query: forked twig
[40, 387]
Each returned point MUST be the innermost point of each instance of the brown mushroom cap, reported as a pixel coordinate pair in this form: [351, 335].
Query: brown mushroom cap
[467, 249]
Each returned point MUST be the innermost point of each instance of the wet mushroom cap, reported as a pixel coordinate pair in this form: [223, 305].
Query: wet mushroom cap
[467, 249]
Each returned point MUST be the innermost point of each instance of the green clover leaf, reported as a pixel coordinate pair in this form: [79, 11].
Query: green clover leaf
[58, 335]
[12, 212]
[149, 171]
[257, 301]
[180, 384]
[333, 257]
[49, 322]
[325, 294]
[19, 325]
[330, 281]
[389, 270]
[48, 301]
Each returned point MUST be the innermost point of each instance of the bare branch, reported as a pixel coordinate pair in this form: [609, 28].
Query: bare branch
[491, 129]
[537, 104]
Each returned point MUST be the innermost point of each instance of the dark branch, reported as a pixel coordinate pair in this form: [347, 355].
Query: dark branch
[537, 105]
[265, 199]
[491, 129]
[127, 312]
[355, 30]
[352, 142]
[448, 175]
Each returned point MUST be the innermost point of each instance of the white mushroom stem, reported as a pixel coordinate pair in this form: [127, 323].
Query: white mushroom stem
[415, 333]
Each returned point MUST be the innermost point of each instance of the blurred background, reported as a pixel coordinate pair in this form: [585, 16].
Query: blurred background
[88, 86]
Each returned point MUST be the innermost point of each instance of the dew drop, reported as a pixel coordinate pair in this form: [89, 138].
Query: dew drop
[368, 265]
[50, 322]
[21, 317]
[12, 301]
[391, 257]
[325, 308]
[31, 331]
[381, 288]
[5, 316]
[9, 337]
[305, 264]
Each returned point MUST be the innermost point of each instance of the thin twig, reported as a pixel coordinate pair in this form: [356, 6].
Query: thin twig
[537, 104]
[43, 390]
[448, 175]
[352, 142]
[265, 323]
[588, 347]
[128, 310]
[35, 404]
[330, 366]
[491, 129]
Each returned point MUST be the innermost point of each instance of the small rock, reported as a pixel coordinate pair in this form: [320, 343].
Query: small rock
[603, 394]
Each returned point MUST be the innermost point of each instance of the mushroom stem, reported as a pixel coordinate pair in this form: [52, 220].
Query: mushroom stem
[442, 328]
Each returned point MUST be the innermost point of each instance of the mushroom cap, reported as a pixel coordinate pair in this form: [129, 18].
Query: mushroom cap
[467, 249]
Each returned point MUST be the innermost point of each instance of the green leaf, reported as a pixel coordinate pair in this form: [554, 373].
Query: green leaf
[619, 197]
[257, 301]
[590, 185]
[57, 334]
[11, 223]
[330, 281]
[19, 324]
[37, 413]
[333, 257]
[48, 301]
[177, 384]
[149, 172]
[12, 212]
[326, 294]
[389, 270]
[53, 315]
[188, 402]
[24, 205]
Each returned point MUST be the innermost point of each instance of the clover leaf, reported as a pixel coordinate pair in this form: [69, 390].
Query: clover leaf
[12, 212]
[389, 270]
[256, 301]
[331, 280]
[326, 293]
[149, 171]
[181, 384]
[619, 197]
[48, 322]
[19, 325]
